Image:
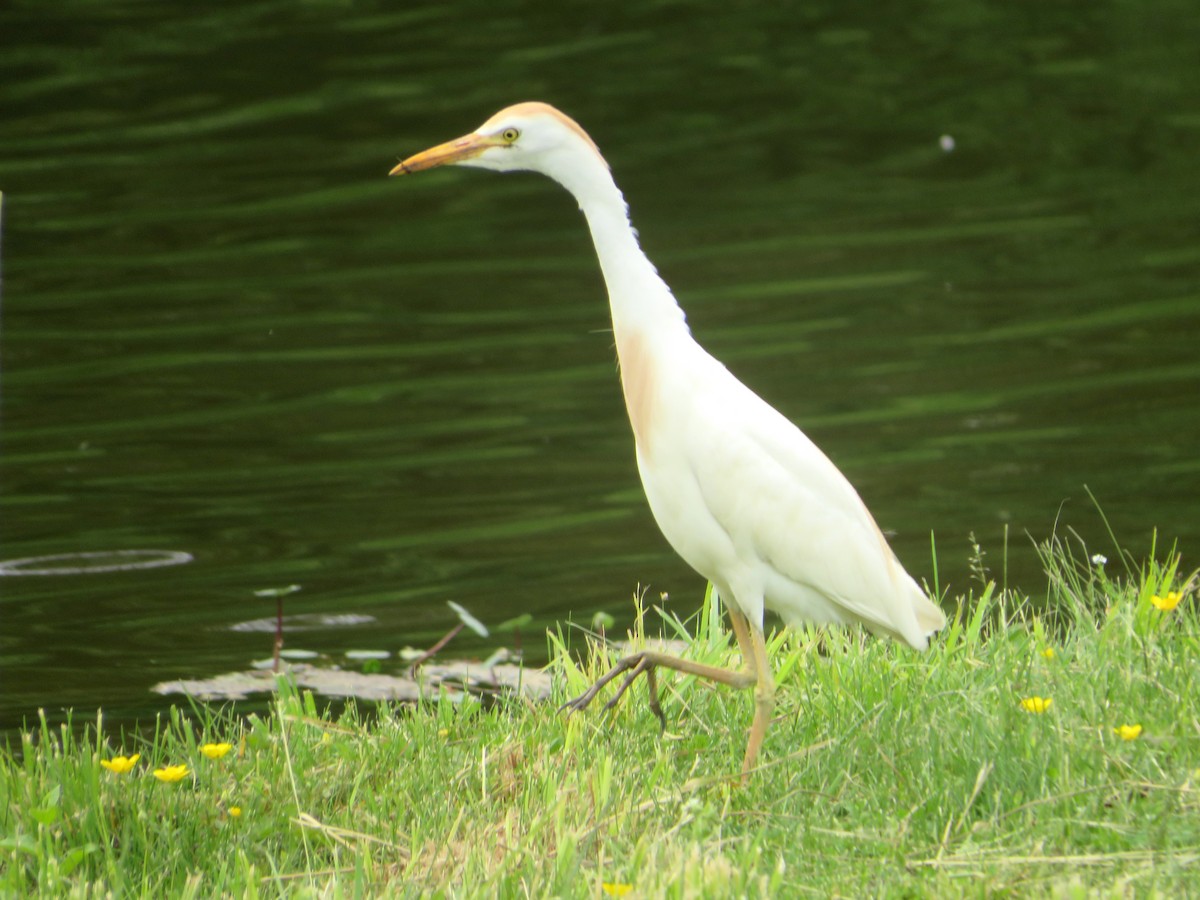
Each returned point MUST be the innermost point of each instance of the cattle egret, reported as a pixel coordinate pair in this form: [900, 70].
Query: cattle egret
[742, 495]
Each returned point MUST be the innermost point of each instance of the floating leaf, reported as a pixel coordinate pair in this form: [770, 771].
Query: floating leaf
[467, 619]
[514, 623]
[303, 622]
[277, 592]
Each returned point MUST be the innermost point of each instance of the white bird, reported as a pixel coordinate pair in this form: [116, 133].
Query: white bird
[742, 495]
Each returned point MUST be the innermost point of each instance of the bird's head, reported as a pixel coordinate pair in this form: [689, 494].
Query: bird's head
[528, 136]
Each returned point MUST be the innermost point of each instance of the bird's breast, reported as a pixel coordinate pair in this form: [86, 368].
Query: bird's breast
[639, 383]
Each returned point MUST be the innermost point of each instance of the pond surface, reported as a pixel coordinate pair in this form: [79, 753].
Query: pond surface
[960, 248]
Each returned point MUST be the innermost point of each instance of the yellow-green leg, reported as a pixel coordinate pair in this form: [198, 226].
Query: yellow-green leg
[754, 654]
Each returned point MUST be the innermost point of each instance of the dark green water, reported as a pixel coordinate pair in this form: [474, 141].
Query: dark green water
[226, 333]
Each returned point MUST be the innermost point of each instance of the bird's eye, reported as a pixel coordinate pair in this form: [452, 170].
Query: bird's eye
[510, 134]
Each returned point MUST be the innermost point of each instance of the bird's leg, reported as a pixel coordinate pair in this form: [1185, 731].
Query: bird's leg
[764, 696]
[754, 657]
[741, 630]
[642, 667]
[644, 663]
[652, 687]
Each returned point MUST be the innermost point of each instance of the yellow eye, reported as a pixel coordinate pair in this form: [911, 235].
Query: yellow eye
[510, 134]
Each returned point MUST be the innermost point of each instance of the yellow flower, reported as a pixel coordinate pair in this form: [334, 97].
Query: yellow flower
[235, 811]
[1036, 704]
[1048, 653]
[171, 773]
[1167, 603]
[215, 751]
[616, 889]
[1129, 732]
[120, 765]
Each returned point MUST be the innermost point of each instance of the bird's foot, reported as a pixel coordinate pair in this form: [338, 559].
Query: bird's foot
[636, 664]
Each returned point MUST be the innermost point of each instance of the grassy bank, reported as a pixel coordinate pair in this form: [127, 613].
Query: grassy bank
[886, 773]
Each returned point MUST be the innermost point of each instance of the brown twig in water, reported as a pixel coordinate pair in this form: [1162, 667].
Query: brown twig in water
[278, 632]
[412, 670]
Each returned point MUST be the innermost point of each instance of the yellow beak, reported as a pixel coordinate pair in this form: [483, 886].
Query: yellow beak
[466, 147]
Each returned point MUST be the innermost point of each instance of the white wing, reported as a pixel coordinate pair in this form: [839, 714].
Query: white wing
[804, 538]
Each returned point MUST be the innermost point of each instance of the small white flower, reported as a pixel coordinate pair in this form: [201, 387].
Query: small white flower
[1099, 559]
[946, 142]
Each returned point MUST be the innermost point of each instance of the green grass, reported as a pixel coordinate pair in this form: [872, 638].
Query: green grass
[886, 773]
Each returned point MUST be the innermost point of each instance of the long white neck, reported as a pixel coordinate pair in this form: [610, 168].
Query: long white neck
[639, 299]
[646, 319]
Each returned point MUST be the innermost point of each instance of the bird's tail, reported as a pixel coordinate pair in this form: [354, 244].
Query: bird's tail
[930, 617]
